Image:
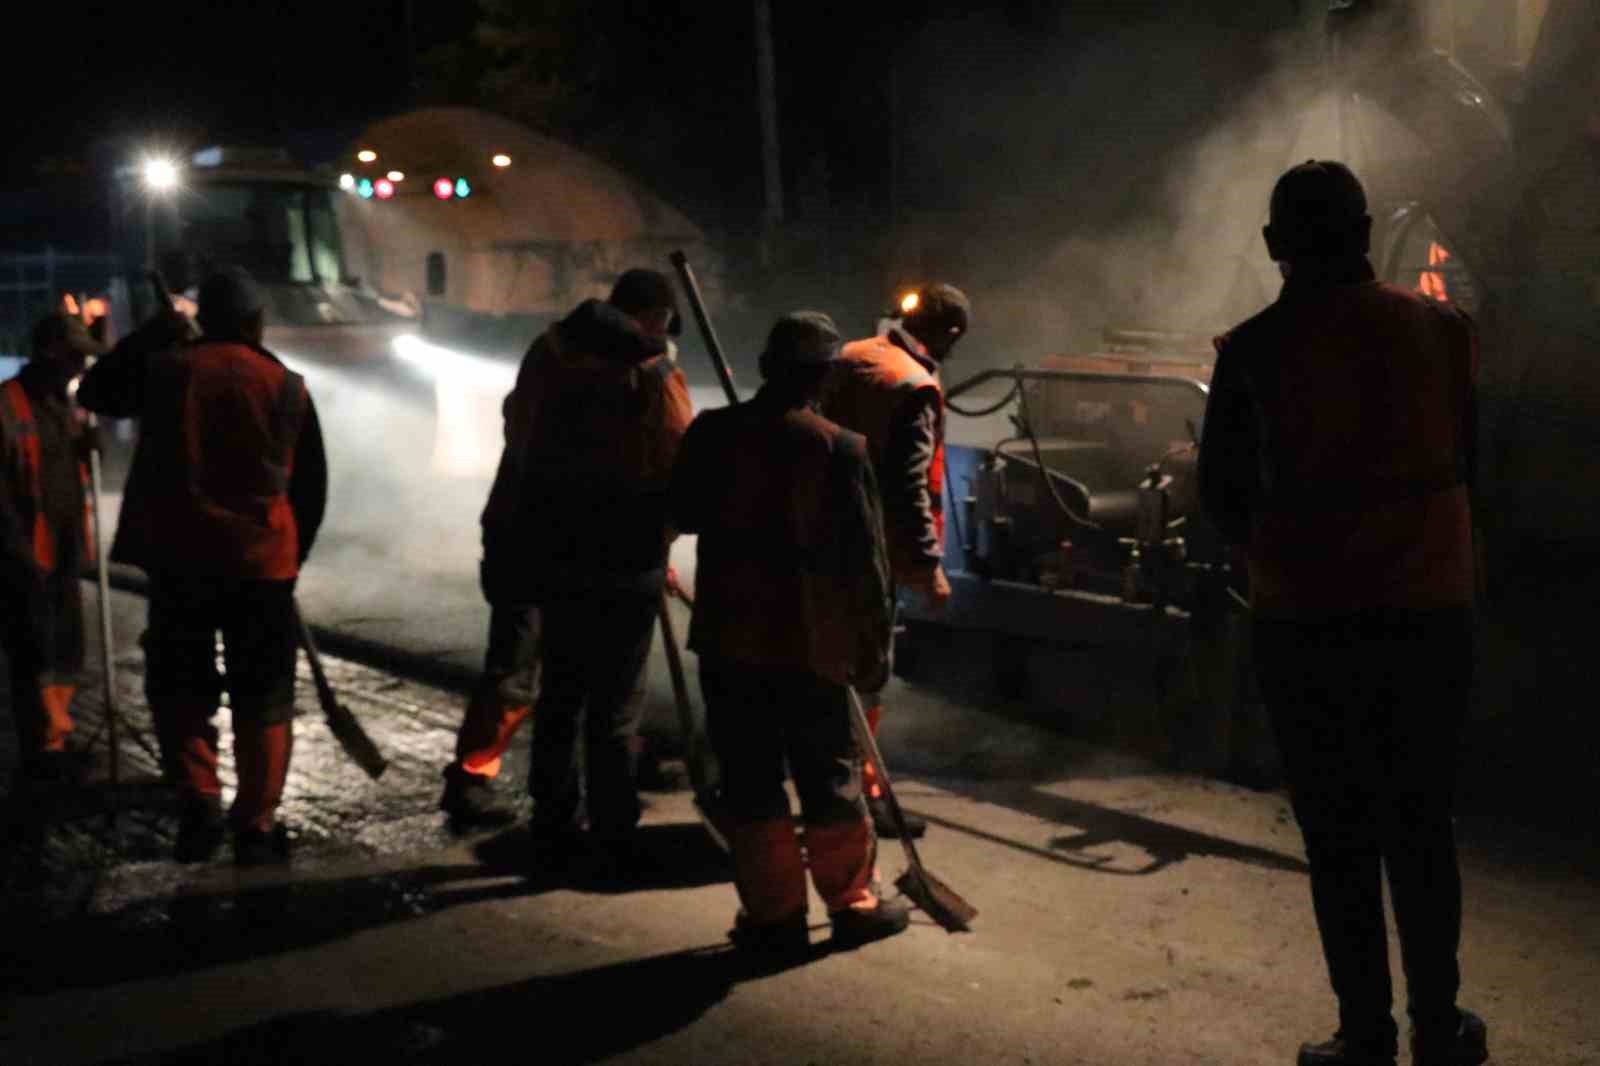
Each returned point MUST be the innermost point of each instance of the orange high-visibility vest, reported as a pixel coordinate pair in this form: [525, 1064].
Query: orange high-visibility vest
[16, 415]
[870, 386]
[1364, 397]
[208, 492]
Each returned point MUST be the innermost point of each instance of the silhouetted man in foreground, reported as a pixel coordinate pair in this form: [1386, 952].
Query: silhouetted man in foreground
[1338, 451]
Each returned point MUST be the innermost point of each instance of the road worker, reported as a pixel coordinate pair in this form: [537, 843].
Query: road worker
[1339, 449]
[592, 428]
[793, 604]
[43, 544]
[887, 388]
[224, 498]
[509, 685]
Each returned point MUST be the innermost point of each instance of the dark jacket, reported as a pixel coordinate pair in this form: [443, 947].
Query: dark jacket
[591, 430]
[229, 478]
[792, 567]
[1339, 445]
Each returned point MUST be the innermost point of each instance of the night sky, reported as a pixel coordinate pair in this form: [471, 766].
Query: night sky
[958, 84]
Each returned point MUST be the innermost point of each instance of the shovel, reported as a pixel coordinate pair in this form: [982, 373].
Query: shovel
[937, 899]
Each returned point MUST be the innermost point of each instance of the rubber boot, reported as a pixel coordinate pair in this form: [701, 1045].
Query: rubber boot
[261, 755]
[882, 821]
[770, 874]
[469, 798]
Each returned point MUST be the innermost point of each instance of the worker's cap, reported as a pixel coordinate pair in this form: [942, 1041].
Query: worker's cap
[801, 338]
[639, 291]
[937, 310]
[60, 327]
[228, 298]
[1318, 207]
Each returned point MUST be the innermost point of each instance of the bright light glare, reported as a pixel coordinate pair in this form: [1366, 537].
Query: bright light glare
[444, 364]
[908, 302]
[367, 155]
[501, 160]
[395, 175]
[160, 175]
[347, 182]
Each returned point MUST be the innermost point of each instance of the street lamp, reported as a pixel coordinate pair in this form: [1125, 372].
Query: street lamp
[160, 176]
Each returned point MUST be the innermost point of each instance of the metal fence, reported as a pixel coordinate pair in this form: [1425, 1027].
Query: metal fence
[31, 283]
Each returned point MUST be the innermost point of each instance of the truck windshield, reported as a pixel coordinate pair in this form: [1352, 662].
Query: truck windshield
[282, 233]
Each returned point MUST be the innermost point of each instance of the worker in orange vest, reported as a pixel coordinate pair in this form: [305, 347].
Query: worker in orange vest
[42, 544]
[1339, 451]
[593, 425]
[794, 604]
[223, 502]
[642, 302]
[887, 389]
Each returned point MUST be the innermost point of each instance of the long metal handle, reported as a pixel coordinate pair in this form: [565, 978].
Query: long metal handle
[108, 653]
[869, 747]
[713, 346]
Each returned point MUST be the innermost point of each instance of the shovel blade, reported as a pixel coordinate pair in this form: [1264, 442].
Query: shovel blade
[937, 900]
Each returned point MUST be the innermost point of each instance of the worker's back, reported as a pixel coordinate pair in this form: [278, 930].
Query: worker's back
[1364, 399]
[208, 493]
[788, 573]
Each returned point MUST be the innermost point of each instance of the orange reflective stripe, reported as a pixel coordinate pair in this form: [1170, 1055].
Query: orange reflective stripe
[25, 430]
[57, 701]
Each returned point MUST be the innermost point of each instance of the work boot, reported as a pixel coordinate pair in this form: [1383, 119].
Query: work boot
[883, 821]
[1346, 1051]
[261, 847]
[772, 940]
[1467, 1046]
[200, 832]
[470, 800]
[854, 926]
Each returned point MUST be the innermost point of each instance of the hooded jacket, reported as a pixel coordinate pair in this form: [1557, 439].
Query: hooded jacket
[591, 431]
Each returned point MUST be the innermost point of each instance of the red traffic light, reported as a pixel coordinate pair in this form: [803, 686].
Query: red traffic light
[444, 188]
[384, 188]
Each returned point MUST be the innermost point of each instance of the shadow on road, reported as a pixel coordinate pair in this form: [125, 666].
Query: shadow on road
[577, 1017]
[220, 917]
[1165, 843]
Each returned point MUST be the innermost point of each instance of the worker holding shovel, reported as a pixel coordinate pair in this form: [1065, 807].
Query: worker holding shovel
[793, 607]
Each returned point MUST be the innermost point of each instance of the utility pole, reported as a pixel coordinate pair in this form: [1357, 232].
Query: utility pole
[767, 92]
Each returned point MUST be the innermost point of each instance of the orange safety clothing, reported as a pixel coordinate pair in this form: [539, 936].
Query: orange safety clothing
[887, 389]
[1338, 445]
[208, 495]
[792, 570]
[591, 432]
[43, 544]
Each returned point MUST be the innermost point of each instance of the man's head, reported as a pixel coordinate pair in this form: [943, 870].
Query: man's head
[938, 317]
[1319, 211]
[799, 350]
[63, 341]
[647, 297]
[231, 307]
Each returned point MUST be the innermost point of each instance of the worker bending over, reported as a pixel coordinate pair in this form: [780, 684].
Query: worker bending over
[887, 389]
